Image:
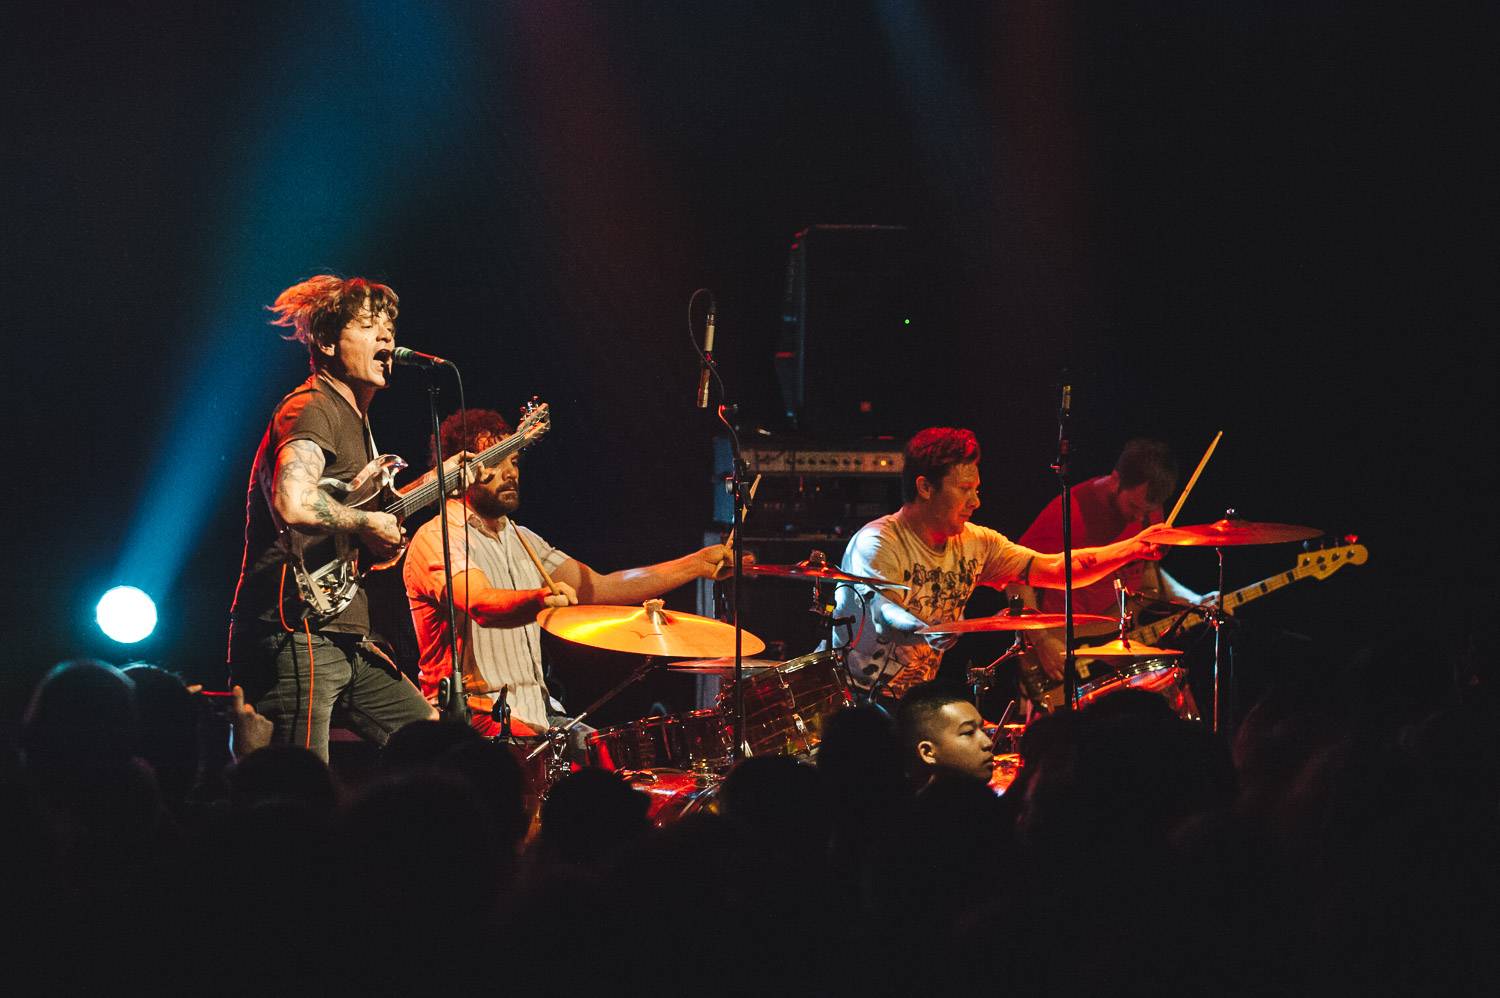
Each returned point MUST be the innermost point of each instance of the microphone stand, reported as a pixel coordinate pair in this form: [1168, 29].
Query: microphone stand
[1064, 448]
[451, 699]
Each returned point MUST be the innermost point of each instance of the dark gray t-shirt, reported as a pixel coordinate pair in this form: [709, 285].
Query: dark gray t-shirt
[316, 412]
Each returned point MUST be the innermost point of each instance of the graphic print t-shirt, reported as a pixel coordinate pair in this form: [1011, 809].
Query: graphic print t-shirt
[941, 581]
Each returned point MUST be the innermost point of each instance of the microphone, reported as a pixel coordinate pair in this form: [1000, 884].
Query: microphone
[1067, 400]
[708, 359]
[416, 358]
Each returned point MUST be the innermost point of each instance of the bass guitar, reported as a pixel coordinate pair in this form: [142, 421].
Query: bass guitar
[1045, 659]
[327, 570]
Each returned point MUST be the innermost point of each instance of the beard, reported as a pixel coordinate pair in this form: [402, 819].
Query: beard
[487, 504]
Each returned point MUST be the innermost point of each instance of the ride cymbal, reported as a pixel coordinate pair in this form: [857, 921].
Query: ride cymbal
[819, 573]
[1231, 533]
[646, 630]
[1027, 620]
[721, 666]
[1125, 649]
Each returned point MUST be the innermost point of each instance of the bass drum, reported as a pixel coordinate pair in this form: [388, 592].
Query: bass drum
[675, 794]
[1163, 676]
[786, 707]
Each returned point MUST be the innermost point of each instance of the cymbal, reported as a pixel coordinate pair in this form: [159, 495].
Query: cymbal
[633, 630]
[721, 666]
[1027, 620]
[1120, 649]
[818, 573]
[1230, 533]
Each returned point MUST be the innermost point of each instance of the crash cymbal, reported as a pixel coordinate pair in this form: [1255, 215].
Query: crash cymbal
[636, 630]
[1230, 533]
[819, 573]
[1122, 649]
[1027, 620]
[721, 666]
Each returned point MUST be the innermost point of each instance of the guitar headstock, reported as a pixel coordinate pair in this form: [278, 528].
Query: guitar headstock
[536, 419]
[1322, 564]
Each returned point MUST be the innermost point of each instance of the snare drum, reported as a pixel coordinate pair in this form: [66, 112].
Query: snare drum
[643, 744]
[698, 740]
[786, 707]
[1163, 676]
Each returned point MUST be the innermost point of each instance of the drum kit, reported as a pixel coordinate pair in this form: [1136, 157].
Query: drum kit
[680, 760]
[1121, 663]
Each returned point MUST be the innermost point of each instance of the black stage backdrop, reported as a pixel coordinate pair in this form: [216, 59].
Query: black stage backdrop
[1270, 222]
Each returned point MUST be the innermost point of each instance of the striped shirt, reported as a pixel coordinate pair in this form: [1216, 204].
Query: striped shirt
[492, 656]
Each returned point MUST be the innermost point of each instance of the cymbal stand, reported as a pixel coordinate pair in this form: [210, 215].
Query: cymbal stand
[1064, 451]
[982, 678]
[1216, 620]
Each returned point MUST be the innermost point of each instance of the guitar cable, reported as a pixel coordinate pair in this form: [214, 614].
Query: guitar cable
[311, 661]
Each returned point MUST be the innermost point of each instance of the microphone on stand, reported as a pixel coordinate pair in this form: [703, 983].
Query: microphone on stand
[416, 358]
[708, 359]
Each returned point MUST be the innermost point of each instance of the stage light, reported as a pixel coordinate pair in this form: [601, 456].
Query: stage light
[126, 614]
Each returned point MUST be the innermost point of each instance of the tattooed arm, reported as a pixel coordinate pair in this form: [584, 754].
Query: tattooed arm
[1092, 564]
[301, 504]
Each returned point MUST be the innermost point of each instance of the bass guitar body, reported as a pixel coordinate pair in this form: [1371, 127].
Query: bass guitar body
[330, 585]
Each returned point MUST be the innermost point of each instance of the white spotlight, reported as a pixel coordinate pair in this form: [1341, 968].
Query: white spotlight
[126, 614]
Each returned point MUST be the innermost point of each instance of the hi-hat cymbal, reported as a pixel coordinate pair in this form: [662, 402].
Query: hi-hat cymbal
[632, 629]
[721, 666]
[1027, 620]
[819, 573]
[1230, 533]
[1122, 649]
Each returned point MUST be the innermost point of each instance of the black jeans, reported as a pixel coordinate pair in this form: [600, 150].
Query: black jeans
[344, 674]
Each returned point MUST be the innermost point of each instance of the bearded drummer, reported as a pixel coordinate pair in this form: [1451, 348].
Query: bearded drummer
[930, 546]
[498, 590]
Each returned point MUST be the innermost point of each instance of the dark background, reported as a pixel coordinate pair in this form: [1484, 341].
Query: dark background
[1270, 222]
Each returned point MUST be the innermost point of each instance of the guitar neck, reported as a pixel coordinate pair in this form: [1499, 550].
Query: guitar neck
[1151, 633]
[427, 492]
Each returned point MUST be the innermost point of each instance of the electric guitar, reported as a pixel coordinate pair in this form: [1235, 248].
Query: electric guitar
[327, 568]
[1042, 689]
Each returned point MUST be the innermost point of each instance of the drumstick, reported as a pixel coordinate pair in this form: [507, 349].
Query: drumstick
[1194, 480]
[729, 541]
[537, 562]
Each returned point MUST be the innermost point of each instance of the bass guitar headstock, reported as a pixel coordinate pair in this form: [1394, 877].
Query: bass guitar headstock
[1323, 563]
[536, 419]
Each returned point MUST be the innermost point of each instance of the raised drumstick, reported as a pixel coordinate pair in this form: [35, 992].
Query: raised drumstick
[1194, 480]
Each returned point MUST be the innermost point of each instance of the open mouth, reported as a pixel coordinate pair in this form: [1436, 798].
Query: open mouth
[383, 358]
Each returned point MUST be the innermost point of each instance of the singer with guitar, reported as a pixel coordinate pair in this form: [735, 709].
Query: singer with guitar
[299, 644]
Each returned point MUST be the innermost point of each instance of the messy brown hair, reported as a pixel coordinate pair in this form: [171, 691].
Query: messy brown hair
[318, 309]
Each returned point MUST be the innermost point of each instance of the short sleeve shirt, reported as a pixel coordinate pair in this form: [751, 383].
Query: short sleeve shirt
[492, 656]
[315, 412]
[940, 580]
[1096, 521]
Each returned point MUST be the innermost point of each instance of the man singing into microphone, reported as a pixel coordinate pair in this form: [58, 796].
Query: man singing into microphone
[296, 664]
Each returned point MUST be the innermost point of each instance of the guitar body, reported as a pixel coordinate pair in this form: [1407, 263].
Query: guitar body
[329, 586]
